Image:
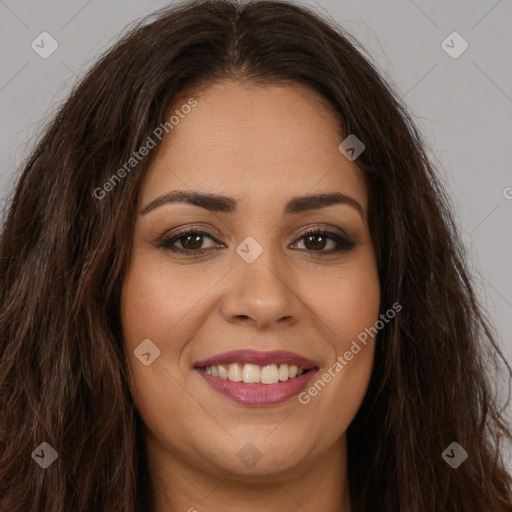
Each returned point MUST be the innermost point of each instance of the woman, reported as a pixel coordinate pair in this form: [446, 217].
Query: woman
[230, 280]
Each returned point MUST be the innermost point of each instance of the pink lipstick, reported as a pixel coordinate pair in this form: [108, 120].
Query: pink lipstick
[256, 378]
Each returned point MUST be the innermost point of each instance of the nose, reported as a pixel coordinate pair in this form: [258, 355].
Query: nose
[261, 294]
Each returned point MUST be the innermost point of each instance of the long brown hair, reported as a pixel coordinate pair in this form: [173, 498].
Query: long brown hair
[64, 252]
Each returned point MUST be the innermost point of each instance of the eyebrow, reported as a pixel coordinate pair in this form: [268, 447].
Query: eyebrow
[224, 204]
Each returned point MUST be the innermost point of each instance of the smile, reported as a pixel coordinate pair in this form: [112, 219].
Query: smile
[254, 378]
[254, 374]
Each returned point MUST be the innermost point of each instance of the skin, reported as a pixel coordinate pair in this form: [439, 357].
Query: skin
[260, 146]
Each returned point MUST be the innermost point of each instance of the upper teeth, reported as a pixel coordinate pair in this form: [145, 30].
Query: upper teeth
[252, 373]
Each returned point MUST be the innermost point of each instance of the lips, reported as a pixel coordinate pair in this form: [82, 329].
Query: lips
[253, 394]
[259, 358]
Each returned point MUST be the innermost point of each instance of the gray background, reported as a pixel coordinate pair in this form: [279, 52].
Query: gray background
[462, 106]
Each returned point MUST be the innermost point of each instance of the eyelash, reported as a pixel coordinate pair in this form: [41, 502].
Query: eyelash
[343, 243]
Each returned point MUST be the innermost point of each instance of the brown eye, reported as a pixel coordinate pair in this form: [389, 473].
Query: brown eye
[316, 240]
[191, 242]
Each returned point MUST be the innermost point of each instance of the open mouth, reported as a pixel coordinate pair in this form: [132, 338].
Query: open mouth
[253, 373]
[255, 378]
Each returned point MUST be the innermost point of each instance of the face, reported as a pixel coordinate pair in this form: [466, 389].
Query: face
[286, 280]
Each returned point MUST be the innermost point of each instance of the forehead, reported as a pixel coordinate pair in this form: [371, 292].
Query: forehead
[251, 141]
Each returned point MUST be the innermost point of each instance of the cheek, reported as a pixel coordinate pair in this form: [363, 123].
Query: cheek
[151, 306]
[156, 299]
[346, 301]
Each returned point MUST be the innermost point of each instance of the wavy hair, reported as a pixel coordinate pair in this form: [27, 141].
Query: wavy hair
[64, 254]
